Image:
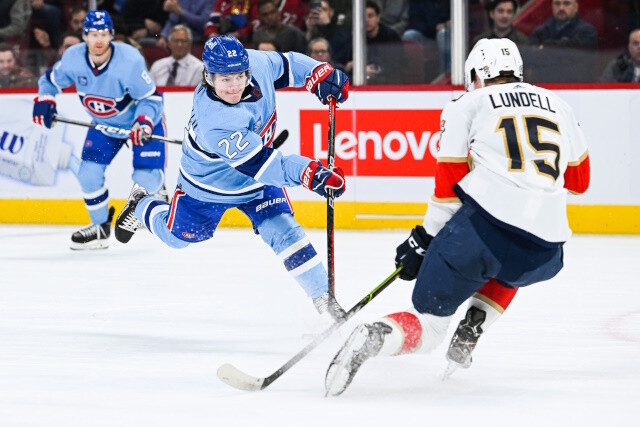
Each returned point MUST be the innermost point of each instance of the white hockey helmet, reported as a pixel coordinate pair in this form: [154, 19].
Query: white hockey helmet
[491, 58]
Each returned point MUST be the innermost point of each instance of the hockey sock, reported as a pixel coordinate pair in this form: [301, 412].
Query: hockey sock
[97, 203]
[154, 214]
[96, 195]
[493, 298]
[413, 332]
[291, 244]
[496, 295]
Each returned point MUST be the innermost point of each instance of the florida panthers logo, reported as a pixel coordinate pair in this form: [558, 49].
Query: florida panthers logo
[99, 106]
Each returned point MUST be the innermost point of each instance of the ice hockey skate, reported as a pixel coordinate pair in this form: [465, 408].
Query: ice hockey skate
[464, 340]
[363, 343]
[162, 194]
[329, 308]
[94, 236]
[127, 223]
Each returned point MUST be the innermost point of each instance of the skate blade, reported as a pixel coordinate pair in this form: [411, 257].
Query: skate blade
[450, 369]
[337, 380]
[89, 246]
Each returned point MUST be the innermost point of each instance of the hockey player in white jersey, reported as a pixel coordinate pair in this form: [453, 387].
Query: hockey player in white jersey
[114, 86]
[227, 161]
[508, 154]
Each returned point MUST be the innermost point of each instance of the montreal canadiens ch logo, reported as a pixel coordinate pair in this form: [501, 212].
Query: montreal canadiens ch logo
[99, 106]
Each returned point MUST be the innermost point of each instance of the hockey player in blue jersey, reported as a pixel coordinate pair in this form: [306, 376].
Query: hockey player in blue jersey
[227, 161]
[114, 87]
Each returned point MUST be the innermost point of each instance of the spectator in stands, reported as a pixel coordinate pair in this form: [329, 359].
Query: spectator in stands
[563, 48]
[321, 22]
[14, 17]
[268, 45]
[192, 13]
[181, 68]
[69, 38]
[626, 67]
[565, 28]
[145, 18]
[385, 52]
[320, 50]
[429, 25]
[12, 75]
[292, 12]
[287, 37]
[502, 14]
[232, 17]
[46, 25]
[394, 14]
[77, 18]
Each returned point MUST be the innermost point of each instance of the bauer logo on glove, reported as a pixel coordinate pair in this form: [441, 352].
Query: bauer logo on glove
[325, 82]
[319, 179]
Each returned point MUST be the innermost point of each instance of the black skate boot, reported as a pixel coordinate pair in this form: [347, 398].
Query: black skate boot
[95, 236]
[327, 305]
[127, 223]
[465, 339]
[363, 343]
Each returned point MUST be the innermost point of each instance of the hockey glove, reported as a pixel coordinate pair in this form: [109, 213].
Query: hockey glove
[411, 252]
[44, 110]
[324, 82]
[141, 130]
[317, 178]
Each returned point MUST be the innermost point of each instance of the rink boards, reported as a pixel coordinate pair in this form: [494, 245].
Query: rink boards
[385, 142]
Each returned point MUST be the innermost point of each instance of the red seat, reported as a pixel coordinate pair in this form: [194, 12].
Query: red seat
[152, 53]
[197, 49]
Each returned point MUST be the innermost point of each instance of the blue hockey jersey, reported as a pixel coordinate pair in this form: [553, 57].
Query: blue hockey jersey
[113, 94]
[226, 153]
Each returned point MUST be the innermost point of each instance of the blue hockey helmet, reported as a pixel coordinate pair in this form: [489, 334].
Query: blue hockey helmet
[224, 55]
[97, 20]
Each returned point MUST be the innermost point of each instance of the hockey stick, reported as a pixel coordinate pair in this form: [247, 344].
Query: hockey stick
[277, 142]
[331, 161]
[280, 139]
[240, 380]
[112, 129]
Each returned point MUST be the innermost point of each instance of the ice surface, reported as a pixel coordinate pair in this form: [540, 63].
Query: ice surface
[133, 336]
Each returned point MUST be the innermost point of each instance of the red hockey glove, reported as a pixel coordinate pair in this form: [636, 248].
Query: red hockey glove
[44, 110]
[325, 81]
[141, 130]
[319, 179]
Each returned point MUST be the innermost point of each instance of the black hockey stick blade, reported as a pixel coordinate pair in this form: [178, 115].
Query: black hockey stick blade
[280, 139]
[234, 377]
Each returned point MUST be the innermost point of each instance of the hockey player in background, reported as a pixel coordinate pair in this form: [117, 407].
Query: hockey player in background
[504, 140]
[227, 161]
[114, 87]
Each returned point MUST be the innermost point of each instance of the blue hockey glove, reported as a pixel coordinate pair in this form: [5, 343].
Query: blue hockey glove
[44, 110]
[317, 178]
[141, 130]
[411, 252]
[325, 81]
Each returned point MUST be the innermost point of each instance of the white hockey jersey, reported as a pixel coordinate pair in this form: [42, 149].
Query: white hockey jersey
[519, 140]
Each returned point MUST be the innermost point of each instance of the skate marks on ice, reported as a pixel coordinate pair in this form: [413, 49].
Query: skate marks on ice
[133, 336]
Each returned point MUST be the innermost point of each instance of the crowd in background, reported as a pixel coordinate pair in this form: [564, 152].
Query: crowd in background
[407, 41]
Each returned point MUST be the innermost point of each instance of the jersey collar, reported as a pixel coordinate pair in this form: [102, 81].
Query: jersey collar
[103, 68]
